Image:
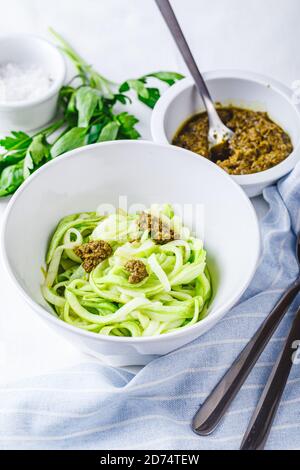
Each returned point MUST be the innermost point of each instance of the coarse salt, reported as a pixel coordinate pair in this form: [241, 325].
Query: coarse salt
[22, 83]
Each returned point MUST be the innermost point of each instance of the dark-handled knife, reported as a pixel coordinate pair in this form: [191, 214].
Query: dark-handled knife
[218, 402]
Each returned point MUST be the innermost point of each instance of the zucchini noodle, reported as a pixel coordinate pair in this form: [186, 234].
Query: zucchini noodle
[175, 293]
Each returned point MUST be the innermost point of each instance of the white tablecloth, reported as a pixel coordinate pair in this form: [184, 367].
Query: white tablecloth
[125, 39]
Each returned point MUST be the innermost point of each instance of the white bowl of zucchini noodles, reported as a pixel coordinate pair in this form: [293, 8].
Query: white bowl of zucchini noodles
[130, 249]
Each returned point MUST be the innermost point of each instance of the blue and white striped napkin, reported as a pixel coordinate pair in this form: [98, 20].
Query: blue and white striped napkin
[93, 406]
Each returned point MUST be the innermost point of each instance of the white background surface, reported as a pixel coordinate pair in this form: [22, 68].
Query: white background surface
[125, 39]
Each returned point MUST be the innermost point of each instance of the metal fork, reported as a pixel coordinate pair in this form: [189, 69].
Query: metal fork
[218, 134]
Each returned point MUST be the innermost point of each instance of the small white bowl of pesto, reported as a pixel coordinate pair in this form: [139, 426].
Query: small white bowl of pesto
[261, 112]
[139, 252]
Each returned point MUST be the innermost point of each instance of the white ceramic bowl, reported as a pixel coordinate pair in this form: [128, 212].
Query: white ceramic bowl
[28, 50]
[146, 173]
[244, 89]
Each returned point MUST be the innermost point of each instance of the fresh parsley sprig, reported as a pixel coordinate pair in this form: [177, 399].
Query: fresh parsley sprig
[87, 114]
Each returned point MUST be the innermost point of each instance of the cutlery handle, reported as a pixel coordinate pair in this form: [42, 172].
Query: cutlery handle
[216, 405]
[261, 422]
[175, 29]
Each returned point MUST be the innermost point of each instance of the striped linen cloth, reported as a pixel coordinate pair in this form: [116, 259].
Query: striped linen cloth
[93, 406]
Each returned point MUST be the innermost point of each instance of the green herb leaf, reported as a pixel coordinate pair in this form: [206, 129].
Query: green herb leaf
[71, 105]
[38, 152]
[11, 158]
[136, 85]
[11, 178]
[148, 95]
[124, 99]
[39, 149]
[94, 133]
[71, 140]
[154, 95]
[168, 77]
[124, 87]
[109, 132]
[17, 140]
[28, 166]
[87, 100]
[127, 129]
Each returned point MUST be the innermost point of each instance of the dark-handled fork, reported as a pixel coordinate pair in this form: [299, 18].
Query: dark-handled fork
[261, 422]
[218, 402]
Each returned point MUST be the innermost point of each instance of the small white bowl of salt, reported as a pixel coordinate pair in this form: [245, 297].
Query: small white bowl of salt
[32, 71]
